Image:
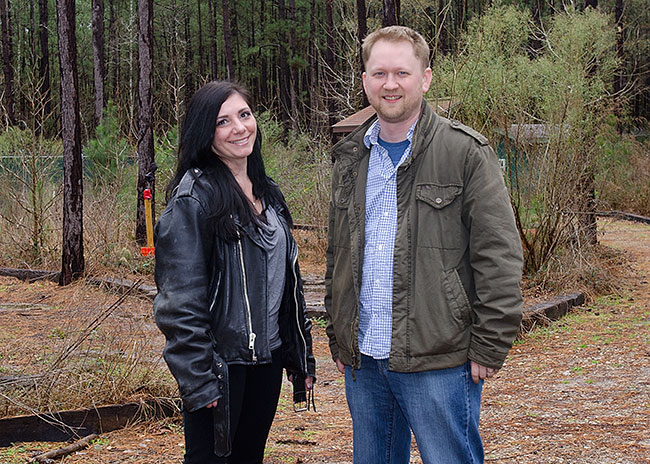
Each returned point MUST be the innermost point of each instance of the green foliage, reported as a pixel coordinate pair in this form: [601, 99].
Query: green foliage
[108, 153]
[623, 171]
[544, 112]
[300, 164]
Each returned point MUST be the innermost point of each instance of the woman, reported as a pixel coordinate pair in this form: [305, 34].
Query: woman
[230, 299]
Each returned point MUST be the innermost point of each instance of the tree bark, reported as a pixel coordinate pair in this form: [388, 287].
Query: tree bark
[7, 60]
[313, 96]
[212, 6]
[234, 40]
[283, 65]
[620, 52]
[293, 72]
[112, 46]
[362, 31]
[199, 20]
[73, 254]
[32, 36]
[391, 13]
[99, 65]
[362, 27]
[227, 39]
[330, 59]
[264, 84]
[44, 63]
[145, 151]
[190, 70]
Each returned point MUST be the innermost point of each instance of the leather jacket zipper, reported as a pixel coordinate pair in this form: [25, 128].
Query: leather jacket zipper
[295, 297]
[251, 334]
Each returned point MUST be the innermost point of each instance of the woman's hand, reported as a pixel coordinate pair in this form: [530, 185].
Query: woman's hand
[309, 383]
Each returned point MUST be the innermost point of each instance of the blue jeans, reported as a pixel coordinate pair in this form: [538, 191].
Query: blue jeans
[442, 407]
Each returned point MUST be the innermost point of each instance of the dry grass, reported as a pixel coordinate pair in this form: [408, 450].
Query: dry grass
[78, 349]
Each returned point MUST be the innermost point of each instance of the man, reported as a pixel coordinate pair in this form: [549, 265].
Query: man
[423, 266]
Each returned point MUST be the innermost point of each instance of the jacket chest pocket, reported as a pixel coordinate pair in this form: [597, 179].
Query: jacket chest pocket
[439, 210]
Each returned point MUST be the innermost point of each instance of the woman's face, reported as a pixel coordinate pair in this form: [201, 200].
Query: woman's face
[236, 129]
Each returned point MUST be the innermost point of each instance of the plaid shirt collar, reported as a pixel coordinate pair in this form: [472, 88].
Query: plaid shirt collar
[372, 135]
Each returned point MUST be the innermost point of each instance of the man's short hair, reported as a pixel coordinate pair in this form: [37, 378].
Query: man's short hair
[397, 34]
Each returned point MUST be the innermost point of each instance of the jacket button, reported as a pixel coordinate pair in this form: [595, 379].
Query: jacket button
[220, 376]
[354, 173]
[219, 364]
[355, 149]
[438, 200]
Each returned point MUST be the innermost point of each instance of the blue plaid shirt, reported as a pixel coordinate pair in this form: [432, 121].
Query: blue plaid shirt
[376, 314]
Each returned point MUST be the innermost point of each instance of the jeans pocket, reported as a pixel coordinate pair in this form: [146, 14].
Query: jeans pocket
[221, 413]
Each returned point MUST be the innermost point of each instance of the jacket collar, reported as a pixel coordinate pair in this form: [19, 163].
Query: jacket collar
[353, 147]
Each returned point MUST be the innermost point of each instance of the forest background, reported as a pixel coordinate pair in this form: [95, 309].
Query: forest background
[561, 89]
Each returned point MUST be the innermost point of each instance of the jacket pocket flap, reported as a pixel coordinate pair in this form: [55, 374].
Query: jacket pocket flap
[438, 196]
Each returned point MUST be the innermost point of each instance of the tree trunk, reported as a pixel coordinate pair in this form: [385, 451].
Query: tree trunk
[113, 47]
[362, 27]
[190, 71]
[391, 12]
[44, 63]
[283, 66]
[32, 36]
[212, 6]
[313, 96]
[620, 52]
[591, 3]
[73, 254]
[227, 39]
[330, 60]
[145, 153]
[98, 59]
[199, 20]
[234, 40]
[293, 72]
[264, 84]
[362, 31]
[7, 60]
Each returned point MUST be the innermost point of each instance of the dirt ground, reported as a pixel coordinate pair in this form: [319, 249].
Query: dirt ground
[575, 391]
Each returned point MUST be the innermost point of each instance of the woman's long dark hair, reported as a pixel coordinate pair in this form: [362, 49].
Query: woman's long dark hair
[195, 151]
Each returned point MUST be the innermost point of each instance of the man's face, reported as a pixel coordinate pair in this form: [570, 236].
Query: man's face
[395, 81]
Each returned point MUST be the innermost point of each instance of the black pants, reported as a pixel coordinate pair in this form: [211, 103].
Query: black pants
[254, 393]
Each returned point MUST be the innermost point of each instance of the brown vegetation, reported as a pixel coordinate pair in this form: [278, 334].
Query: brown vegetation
[575, 391]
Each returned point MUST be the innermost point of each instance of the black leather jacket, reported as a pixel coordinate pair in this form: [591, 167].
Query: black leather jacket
[211, 300]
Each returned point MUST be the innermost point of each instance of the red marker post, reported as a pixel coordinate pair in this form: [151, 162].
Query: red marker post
[149, 249]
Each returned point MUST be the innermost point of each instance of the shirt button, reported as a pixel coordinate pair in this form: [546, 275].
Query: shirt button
[380, 247]
[385, 213]
[438, 200]
[377, 281]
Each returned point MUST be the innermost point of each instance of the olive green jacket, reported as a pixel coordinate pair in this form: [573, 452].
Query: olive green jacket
[457, 259]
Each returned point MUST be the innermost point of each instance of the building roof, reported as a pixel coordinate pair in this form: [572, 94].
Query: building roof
[347, 125]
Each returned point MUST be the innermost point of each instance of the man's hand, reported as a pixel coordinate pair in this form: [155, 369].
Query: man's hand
[481, 372]
[340, 366]
[213, 404]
